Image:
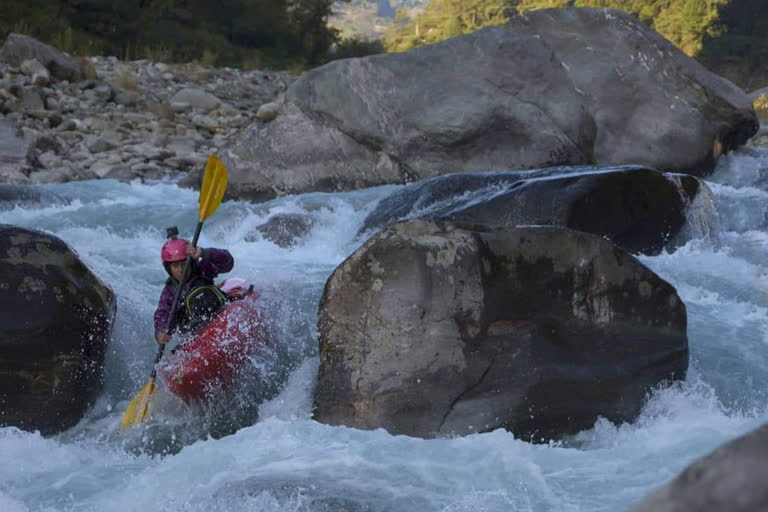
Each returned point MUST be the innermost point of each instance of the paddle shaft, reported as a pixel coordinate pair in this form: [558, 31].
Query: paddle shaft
[176, 297]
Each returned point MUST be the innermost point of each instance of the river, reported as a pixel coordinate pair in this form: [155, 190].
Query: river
[288, 462]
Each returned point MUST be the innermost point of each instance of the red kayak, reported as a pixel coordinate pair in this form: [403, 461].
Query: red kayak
[213, 357]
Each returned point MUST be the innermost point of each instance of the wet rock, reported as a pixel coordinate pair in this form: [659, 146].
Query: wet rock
[119, 172]
[317, 494]
[27, 196]
[730, 478]
[148, 171]
[197, 99]
[54, 327]
[640, 209]
[284, 229]
[431, 329]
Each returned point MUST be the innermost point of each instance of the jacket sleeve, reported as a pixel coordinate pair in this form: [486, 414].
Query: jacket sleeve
[163, 309]
[215, 261]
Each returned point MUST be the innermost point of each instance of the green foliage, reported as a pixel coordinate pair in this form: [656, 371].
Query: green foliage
[685, 23]
[224, 32]
[740, 52]
[442, 19]
[761, 103]
[356, 47]
[761, 107]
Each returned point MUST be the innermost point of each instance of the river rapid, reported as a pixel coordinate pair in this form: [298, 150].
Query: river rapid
[182, 461]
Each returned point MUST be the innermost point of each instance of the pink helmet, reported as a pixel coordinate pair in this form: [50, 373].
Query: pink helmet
[174, 250]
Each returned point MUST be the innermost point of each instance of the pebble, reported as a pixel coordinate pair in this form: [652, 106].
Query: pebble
[123, 124]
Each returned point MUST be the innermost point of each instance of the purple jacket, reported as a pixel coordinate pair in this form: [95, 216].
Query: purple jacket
[212, 262]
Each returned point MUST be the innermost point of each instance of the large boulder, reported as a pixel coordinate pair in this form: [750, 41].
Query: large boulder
[488, 100]
[640, 209]
[731, 478]
[432, 329]
[653, 104]
[553, 87]
[18, 48]
[297, 153]
[55, 323]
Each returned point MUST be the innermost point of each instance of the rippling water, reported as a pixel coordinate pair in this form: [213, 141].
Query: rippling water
[287, 462]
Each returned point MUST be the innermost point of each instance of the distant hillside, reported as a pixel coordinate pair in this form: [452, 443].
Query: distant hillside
[370, 19]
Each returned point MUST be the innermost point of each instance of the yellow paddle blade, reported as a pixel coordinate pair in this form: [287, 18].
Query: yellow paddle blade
[213, 187]
[137, 410]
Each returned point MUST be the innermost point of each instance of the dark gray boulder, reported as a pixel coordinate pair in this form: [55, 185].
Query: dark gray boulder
[653, 104]
[731, 478]
[488, 100]
[322, 493]
[54, 327]
[431, 329]
[283, 229]
[27, 196]
[640, 209]
[18, 48]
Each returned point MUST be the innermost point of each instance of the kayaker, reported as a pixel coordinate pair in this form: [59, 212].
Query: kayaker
[200, 299]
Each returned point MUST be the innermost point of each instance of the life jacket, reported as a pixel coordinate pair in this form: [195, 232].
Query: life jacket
[200, 303]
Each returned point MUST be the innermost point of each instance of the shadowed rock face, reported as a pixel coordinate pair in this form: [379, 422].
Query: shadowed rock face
[731, 478]
[653, 104]
[25, 195]
[639, 209]
[431, 329]
[55, 323]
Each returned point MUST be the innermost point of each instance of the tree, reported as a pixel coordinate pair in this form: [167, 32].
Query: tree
[442, 19]
[684, 22]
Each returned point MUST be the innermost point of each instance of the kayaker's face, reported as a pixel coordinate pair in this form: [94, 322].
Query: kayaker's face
[177, 268]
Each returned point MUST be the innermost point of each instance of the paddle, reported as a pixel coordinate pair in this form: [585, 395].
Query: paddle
[211, 193]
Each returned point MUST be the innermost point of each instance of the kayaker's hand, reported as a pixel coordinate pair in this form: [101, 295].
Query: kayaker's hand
[162, 337]
[193, 251]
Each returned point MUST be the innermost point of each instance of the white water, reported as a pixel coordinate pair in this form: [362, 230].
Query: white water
[287, 462]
